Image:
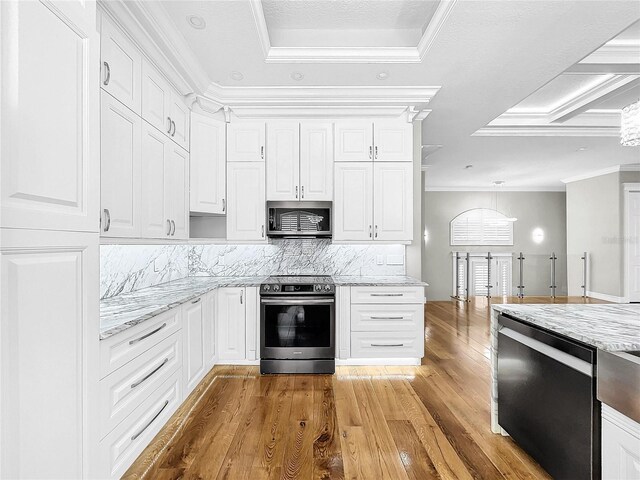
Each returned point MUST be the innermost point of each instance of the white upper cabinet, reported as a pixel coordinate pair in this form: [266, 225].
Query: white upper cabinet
[231, 316]
[283, 161]
[393, 141]
[207, 165]
[393, 201]
[121, 65]
[120, 169]
[49, 167]
[179, 115]
[176, 197]
[353, 141]
[155, 150]
[353, 206]
[246, 197]
[316, 161]
[245, 141]
[156, 98]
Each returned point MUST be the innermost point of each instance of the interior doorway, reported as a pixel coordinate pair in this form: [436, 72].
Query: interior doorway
[494, 276]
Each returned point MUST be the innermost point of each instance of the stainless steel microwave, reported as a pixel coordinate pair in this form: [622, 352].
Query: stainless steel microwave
[299, 219]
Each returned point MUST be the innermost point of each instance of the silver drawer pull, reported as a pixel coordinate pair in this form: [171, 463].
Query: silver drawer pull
[387, 294]
[133, 437]
[387, 344]
[134, 385]
[387, 318]
[148, 334]
[107, 69]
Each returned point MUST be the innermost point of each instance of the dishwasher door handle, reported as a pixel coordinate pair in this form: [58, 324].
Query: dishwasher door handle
[569, 360]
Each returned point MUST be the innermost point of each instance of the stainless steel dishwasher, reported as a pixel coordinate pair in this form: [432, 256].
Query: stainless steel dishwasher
[547, 398]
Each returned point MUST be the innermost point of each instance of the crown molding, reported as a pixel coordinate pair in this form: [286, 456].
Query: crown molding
[317, 111]
[452, 188]
[603, 171]
[350, 54]
[615, 52]
[547, 131]
[149, 26]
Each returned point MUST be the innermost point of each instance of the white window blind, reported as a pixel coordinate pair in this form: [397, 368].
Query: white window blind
[481, 226]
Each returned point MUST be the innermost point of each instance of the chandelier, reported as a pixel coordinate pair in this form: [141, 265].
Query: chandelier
[630, 125]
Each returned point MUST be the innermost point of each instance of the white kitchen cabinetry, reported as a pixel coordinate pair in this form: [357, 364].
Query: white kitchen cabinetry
[354, 141]
[48, 340]
[373, 201]
[194, 366]
[231, 318]
[393, 141]
[120, 150]
[179, 114]
[207, 165]
[245, 141]
[246, 201]
[353, 206]
[164, 186]
[283, 161]
[393, 201]
[210, 330]
[620, 446]
[156, 98]
[49, 167]
[121, 66]
[316, 161]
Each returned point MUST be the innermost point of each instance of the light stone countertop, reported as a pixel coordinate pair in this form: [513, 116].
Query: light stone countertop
[613, 327]
[124, 311]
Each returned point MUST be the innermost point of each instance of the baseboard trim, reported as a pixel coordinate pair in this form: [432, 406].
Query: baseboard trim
[237, 362]
[606, 297]
[377, 361]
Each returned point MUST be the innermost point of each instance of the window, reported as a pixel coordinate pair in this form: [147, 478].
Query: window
[481, 226]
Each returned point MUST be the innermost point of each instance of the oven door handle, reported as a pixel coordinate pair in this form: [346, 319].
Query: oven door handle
[296, 301]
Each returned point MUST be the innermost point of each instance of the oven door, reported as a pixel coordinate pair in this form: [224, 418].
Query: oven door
[295, 327]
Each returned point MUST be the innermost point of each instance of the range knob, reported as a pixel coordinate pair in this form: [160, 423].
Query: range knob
[266, 288]
[317, 288]
[327, 288]
[276, 288]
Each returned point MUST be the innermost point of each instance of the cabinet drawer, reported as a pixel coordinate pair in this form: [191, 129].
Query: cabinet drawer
[386, 345]
[384, 318]
[123, 347]
[123, 390]
[119, 449]
[387, 295]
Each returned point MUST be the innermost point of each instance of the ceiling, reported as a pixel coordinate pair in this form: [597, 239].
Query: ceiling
[522, 97]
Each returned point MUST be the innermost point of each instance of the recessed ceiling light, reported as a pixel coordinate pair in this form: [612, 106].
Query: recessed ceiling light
[498, 183]
[382, 76]
[196, 22]
[582, 149]
[236, 75]
[297, 76]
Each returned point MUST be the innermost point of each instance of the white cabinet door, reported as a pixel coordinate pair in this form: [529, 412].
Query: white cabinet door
[156, 98]
[210, 330]
[176, 200]
[193, 351]
[316, 161]
[245, 142]
[179, 114]
[231, 324]
[207, 165]
[121, 65]
[620, 446]
[120, 169]
[49, 157]
[155, 150]
[246, 197]
[353, 141]
[49, 343]
[393, 141]
[353, 206]
[252, 322]
[283, 161]
[393, 201]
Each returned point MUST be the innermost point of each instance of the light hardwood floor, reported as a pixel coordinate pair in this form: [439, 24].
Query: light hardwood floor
[371, 423]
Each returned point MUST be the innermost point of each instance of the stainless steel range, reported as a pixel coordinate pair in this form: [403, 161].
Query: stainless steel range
[297, 325]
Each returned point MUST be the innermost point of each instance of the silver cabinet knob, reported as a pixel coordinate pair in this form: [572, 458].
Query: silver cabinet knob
[168, 227]
[296, 191]
[107, 70]
[173, 228]
[262, 152]
[169, 125]
[224, 205]
[107, 216]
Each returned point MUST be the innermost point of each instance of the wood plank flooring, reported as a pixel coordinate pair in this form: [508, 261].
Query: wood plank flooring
[417, 423]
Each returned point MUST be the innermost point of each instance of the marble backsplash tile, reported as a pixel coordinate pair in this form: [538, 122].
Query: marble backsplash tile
[296, 257]
[124, 268]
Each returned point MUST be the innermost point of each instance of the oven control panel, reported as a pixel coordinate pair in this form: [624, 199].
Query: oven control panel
[308, 289]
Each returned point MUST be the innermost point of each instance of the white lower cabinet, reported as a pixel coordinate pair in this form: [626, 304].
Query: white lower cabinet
[124, 443]
[210, 330]
[620, 446]
[231, 316]
[194, 366]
